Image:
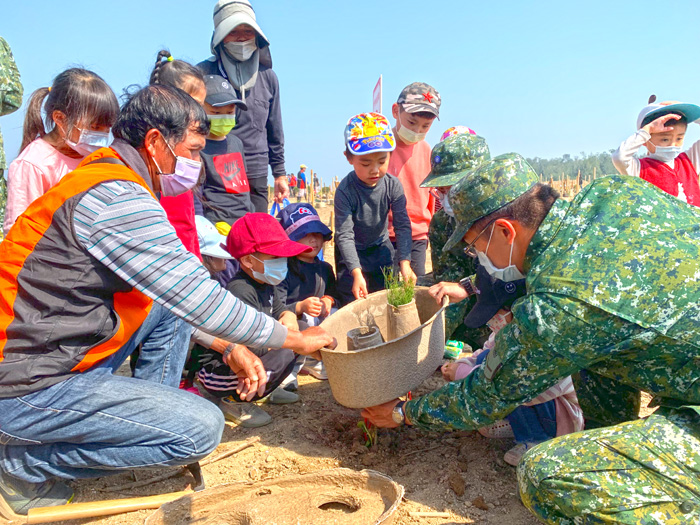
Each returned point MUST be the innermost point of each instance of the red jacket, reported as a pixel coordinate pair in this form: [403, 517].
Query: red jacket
[180, 211]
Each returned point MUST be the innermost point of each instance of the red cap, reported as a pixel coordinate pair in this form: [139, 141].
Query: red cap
[260, 232]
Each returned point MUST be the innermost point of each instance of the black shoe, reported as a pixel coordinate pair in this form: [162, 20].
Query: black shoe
[20, 496]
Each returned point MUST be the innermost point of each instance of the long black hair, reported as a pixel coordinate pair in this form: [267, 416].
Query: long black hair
[81, 95]
[176, 73]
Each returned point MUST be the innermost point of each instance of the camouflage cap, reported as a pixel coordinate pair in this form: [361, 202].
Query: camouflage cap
[453, 158]
[420, 96]
[488, 188]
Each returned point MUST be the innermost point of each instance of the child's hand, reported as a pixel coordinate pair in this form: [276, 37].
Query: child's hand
[449, 370]
[359, 285]
[660, 124]
[406, 272]
[312, 306]
[326, 305]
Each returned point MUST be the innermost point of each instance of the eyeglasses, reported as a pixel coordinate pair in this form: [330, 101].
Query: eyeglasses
[470, 250]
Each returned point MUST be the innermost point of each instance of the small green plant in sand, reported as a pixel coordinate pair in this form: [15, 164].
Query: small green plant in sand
[399, 292]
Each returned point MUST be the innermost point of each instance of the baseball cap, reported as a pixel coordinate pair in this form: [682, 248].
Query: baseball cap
[456, 130]
[300, 219]
[454, 157]
[302, 166]
[369, 133]
[651, 112]
[420, 96]
[229, 14]
[260, 232]
[486, 189]
[211, 242]
[492, 295]
[221, 93]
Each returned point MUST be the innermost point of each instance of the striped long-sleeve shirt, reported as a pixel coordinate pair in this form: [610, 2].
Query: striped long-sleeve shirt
[122, 226]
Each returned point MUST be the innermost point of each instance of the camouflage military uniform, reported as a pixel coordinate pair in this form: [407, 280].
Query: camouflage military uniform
[450, 161]
[613, 287]
[10, 90]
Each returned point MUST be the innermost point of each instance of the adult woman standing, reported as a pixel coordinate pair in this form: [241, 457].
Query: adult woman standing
[242, 55]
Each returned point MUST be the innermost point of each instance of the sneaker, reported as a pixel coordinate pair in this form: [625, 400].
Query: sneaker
[498, 430]
[248, 415]
[291, 386]
[315, 368]
[515, 454]
[280, 396]
[20, 496]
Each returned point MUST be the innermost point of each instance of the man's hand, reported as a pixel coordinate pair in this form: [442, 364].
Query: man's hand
[359, 285]
[659, 125]
[252, 377]
[406, 272]
[310, 341]
[312, 306]
[452, 290]
[381, 414]
[281, 189]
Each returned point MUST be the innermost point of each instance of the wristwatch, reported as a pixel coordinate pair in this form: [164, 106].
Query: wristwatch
[397, 414]
[229, 348]
[468, 284]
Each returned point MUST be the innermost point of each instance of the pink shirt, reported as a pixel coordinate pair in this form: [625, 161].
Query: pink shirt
[37, 169]
[411, 164]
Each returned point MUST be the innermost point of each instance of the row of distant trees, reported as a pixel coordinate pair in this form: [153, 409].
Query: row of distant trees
[585, 163]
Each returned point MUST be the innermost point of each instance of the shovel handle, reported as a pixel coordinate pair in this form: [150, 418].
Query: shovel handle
[95, 509]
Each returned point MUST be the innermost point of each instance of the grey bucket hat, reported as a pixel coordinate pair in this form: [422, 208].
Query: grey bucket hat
[229, 14]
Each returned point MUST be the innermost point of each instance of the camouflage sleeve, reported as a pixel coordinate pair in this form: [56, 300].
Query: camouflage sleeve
[542, 345]
[11, 89]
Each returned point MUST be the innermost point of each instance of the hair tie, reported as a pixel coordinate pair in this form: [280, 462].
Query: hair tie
[170, 58]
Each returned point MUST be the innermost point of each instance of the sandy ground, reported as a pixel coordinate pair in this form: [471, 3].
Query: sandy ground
[460, 473]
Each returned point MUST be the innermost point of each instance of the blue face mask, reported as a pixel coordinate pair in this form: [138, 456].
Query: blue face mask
[275, 270]
[666, 153]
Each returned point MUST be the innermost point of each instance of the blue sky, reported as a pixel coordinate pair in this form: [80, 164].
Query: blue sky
[539, 78]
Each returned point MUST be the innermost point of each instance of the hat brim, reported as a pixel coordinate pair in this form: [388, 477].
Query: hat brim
[409, 107]
[459, 233]
[691, 112]
[480, 313]
[437, 181]
[312, 227]
[222, 99]
[365, 147]
[285, 249]
[216, 251]
[233, 21]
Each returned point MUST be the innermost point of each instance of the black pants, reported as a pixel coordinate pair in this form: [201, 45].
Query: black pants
[372, 260]
[258, 193]
[418, 254]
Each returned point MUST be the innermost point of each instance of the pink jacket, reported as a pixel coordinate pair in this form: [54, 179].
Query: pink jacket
[37, 169]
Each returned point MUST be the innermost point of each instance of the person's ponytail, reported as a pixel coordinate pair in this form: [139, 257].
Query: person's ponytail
[33, 123]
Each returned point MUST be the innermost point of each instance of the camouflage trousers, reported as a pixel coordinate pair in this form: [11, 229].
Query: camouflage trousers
[641, 472]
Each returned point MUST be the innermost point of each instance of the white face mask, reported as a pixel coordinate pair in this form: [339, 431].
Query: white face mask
[241, 51]
[89, 141]
[507, 274]
[445, 202]
[408, 135]
[666, 153]
[275, 270]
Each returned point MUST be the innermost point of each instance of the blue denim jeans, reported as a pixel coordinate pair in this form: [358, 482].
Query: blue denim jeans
[95, 423]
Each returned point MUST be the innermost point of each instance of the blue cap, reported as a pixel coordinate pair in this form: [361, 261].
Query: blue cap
[493, 294]
[300, 219]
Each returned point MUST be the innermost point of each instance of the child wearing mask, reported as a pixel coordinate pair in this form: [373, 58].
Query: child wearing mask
[661, 129]
[261, 247]
[415, 110]
[362, 203]
[555, 412]
[225, 195]
[180, 209]
[80, 109]
[309, 289]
